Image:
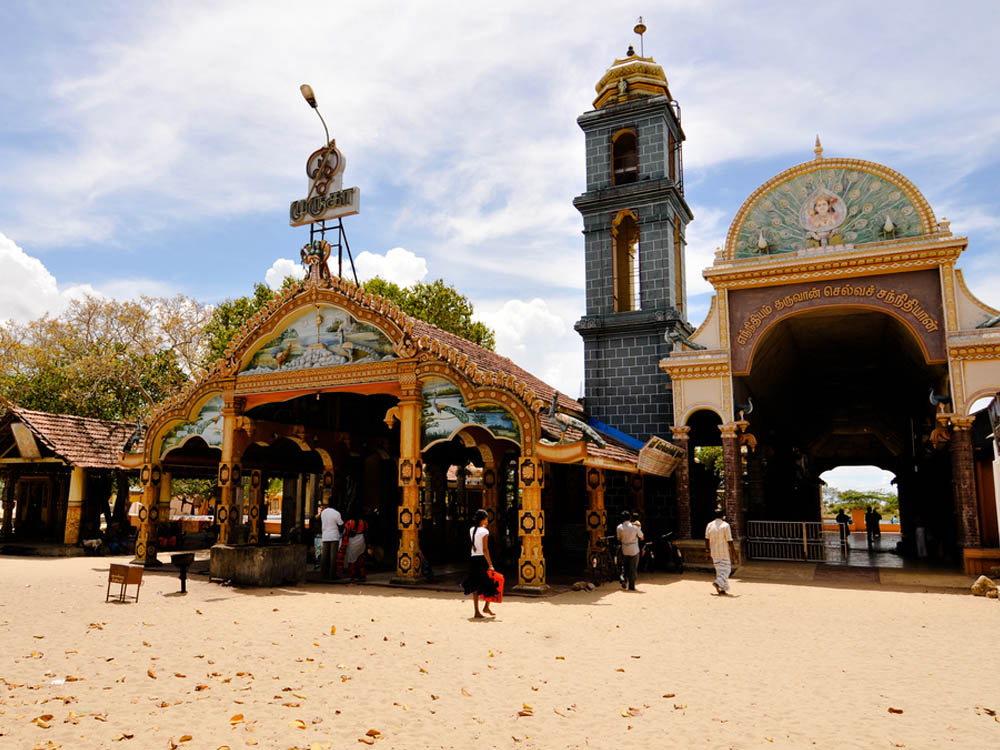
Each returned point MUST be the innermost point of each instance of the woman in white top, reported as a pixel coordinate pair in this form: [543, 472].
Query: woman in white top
[479, 583]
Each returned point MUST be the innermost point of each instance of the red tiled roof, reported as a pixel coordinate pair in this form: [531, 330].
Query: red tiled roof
[612, 449]
[82, 441]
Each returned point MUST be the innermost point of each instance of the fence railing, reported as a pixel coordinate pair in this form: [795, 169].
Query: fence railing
[785, 540]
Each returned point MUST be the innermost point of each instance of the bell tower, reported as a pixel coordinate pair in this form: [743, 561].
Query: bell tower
[634, 222]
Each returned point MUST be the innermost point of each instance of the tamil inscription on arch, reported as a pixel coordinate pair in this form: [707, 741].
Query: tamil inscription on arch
[913, 298]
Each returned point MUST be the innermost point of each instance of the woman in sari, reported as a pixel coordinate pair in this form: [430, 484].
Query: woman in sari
[353, 546]
[479, 582]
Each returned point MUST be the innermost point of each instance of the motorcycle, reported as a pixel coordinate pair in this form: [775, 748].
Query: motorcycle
[661, 554]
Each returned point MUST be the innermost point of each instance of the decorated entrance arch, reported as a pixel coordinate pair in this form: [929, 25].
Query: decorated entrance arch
[841, 332]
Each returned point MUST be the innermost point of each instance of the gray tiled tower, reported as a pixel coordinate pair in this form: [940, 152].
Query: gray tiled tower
[635, 188]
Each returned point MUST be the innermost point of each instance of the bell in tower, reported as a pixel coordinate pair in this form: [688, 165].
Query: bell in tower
[634, 221]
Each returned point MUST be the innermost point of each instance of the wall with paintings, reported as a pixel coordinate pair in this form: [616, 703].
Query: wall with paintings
[207, 425]
[445, 413]
[321, 336]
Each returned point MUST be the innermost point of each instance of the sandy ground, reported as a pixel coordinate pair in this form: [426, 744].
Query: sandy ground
[776, 665]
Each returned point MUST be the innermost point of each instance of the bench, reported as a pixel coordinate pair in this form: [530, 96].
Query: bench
[124, 575]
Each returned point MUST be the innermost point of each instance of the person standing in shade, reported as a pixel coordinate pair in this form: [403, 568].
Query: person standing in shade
[719, 545]
[479, 583]
[869, 526]
[844, 521]
[629, 535]
[330, 521]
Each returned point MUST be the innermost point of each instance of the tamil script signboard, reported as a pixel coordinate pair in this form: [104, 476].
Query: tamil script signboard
[327, 198]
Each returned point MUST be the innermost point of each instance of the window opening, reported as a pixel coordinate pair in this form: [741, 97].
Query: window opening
[625, 234]
[625, 158]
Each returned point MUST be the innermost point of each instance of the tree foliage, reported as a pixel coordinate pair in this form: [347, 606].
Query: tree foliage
[229, 316]
[710, 456]
[882, 500]
[439, 304]
[102, 358]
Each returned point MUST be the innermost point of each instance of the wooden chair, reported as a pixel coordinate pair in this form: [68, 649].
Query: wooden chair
[124, 575]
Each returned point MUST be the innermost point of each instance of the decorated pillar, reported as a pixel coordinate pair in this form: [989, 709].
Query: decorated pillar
[150, 477]
[163, 505]
[491, 502]
[963, 482]
[9, 483]
[733, 472]
[531, 525]
[74, 505]
[227, 510]
[257, 507]
[682, 478]
[596, 519]
[411, 471]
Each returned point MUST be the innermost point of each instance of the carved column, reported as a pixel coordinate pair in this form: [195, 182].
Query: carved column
[682, 478]
[150, 478]
[491, 501]
[531, 525]
[596, 519]
[733, 472]
[637, 487]
[9, 483]
[74, 505]
[963, 482]
[410, 474]
[163, 503]
[227, 511]
[257, 507]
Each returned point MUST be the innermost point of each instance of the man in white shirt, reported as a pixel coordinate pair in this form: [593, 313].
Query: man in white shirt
[330, 522]
[629, 535]
[719, 544]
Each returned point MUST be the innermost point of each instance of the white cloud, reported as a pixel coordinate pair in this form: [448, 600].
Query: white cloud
[27, 289]
[538, 338]
[281, 268]
[398, 265]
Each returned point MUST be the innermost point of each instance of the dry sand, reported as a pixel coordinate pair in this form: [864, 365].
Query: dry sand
[776, 665]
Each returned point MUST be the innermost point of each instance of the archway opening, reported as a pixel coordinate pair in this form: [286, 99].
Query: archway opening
[846, 387]
[861, 515]
[707, 480]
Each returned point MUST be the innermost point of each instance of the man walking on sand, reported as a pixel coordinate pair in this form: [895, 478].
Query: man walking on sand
[330, 521]
[719, 544]
[629, 534]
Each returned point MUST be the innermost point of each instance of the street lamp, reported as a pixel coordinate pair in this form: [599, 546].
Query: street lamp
[310, 97]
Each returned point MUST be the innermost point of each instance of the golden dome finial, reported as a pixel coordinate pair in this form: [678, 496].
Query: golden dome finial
[819, 148]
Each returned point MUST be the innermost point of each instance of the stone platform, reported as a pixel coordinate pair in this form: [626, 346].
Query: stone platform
[249, 565]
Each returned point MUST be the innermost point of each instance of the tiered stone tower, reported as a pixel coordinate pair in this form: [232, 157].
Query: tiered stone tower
[634, 218]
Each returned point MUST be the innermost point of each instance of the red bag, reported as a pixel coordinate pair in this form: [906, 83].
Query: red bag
[498, 577]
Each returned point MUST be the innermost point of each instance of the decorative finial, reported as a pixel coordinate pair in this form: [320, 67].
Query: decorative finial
[819, 149]
[640, 29]
[630, 52]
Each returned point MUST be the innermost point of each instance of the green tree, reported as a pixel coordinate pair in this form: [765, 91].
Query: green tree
[884, 501]
[100, 358]
[711, 457]
[439, 304]
[229, 316]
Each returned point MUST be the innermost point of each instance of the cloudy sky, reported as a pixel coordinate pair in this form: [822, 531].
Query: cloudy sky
[154, 147]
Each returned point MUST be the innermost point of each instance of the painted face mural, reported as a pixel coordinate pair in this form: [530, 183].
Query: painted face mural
[445, 413]
[207, 425]
[322, 336]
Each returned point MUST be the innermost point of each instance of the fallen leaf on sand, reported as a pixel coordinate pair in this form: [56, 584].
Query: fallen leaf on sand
[561, 658]
[895, 710]
[42, 721]
[297, 724]
[669, 695]
[199, 688]
[680, 706]
[38, 636]
[619, 669]
[235, 719]
[367, 740]
[122, 736]
[434, 697]
[252, 741]
[178, 674]
[373, 733]
[526, 707]
[151, 673]
[422, 670]
[525, 712]
[333, 630]
[466, 693]
[185, 738]
[630, 712]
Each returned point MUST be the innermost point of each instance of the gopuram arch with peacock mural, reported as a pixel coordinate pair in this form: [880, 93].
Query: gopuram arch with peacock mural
[340, 394]
[841, 332]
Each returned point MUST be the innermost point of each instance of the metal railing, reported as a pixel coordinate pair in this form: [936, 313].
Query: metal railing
[785, 540]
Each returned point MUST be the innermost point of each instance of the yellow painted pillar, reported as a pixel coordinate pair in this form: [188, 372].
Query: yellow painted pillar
[151, 478]
[408, 557]
[74, 505]
[227, 512]
[163, 504]
[491, 502]
[257, 510]
[596, 519]
[531, 526]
